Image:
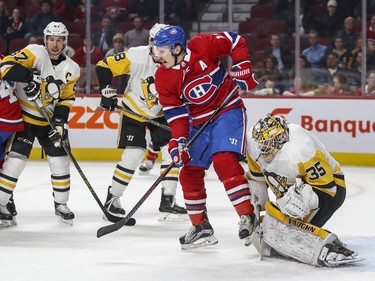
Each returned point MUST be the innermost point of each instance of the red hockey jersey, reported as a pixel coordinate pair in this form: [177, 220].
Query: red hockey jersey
[10, 109]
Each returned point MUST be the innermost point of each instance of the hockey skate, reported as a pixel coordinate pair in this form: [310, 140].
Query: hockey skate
[6, 218]
[64, 214]
[198, 236]
[115, 212]
[335, 254]
[247, 225]
[146, 167]
[11, 207]
[170, 211]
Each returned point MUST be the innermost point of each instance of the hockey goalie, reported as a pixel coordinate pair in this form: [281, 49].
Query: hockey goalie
[309, 187]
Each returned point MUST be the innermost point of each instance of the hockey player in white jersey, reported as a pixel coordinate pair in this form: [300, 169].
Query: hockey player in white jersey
[139, 97]
[309, 187]
[45, 73]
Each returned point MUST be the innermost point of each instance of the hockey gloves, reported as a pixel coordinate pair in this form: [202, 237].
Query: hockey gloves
[60, 133]
[32, 90]
[109, 98]
[243, 76]
[178, 151]
[299, 200]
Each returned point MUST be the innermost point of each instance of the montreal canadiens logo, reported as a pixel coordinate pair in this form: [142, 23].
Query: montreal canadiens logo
[200, 90]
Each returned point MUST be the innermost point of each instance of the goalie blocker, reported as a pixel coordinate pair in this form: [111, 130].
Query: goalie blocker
[299, 240]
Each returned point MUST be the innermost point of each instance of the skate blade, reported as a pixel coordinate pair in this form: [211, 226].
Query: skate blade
[200, 243]
[343, 262]
[8, 223]
[171, 218]
[64, 222]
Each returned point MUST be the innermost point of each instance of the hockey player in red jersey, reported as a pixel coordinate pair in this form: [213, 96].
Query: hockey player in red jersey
[191, 84]
[10, 122]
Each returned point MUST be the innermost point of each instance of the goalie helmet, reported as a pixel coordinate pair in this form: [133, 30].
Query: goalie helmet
[270, 133]
[171, 36]
[56, 29]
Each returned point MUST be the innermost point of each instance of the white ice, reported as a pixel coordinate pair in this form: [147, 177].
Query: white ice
[39, 248]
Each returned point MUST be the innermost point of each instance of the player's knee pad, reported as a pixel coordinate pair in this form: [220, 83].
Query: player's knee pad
[59, 165]
[14, 164]
[132, 157]
[294, 238]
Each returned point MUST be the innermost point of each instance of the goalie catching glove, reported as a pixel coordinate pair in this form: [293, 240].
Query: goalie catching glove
[243, 76]
[299, 200]
[179, 152]
[32, 90]
[109, 98]
[60, 133]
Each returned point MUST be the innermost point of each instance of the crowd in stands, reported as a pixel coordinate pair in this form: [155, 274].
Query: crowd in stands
[330, 35]
[330, 47]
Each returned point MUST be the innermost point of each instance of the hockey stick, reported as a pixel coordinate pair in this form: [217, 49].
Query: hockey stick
[66, 147]
[148, 120]
[116, 226]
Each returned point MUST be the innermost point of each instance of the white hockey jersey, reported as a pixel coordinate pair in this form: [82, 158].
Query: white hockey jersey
[303, 156]
[58, 87]
[140, 94]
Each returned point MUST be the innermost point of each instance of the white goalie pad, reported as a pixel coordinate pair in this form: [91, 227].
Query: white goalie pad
[295, 238]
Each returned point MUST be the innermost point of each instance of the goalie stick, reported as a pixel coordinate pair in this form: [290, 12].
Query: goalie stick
[66, 147]
[116, 226]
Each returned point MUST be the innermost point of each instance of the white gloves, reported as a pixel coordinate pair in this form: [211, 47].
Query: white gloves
[299, 200]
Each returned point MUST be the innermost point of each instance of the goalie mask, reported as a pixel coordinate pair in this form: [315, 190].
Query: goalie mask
[270, 133]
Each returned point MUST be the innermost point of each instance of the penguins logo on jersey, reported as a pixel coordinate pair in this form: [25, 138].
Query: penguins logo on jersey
[149, 92]
[50, 90]
[277, 183]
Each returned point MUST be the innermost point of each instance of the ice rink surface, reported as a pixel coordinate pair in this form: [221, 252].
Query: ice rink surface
[39, 248]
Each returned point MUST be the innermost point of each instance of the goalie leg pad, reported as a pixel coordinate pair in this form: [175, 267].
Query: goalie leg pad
[294, 238]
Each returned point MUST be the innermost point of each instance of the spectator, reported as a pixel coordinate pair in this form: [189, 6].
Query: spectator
[270, 89]
[4, 14]
[340, 87]
[138, 36]
[269, 71]
[324, 76]
[306, 72]
[17, 27]
[316, 52]
[62, 9]
[33, 39]
[301, 88]
[146, 9]
[176, 12]
[369, 88]
[105, 35]
[354, 76]
[348, 33]
[80, 12]
[40, 20]
[80, 58]
[331, 21]
[370, 34]
[282, 54]
[344, 55]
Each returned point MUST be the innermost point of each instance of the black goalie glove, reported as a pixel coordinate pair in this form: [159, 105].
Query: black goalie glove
[109, 98]
[60, 133]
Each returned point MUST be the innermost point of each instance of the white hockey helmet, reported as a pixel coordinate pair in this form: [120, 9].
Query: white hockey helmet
[155, 29]
[56, 29]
